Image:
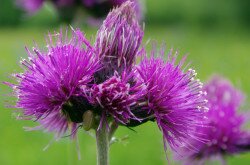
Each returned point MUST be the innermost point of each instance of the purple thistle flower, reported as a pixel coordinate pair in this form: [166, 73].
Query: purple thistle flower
[173, 98]
[118, 40]
[116, 96]
[49, 90]
[224, 133]
[72, 78]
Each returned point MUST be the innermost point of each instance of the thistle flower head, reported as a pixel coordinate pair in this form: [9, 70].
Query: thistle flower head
[224, 133]
[119, 38]
[173, 98]
[116, 96]
[49, 89]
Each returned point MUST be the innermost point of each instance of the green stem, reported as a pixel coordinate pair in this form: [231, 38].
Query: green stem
[102, 141]
[113, 128]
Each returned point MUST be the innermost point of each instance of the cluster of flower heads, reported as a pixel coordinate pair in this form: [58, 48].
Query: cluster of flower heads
[224, 132]
[73, 78]
[98, 8]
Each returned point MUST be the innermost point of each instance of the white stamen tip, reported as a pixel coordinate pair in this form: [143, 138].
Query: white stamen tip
[206, 109]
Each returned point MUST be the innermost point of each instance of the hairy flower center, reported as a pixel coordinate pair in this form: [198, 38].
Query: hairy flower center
[112, 93]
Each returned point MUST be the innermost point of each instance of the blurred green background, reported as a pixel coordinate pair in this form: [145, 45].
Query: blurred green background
[215, 34]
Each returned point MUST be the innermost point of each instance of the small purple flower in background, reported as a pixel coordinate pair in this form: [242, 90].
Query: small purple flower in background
[31, 6]
[49, 89]
[67, 8]
[224, 131]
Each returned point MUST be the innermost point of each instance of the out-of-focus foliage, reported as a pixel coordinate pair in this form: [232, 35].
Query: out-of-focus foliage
[199, 12]
[9, 13]
[205, 13]
[244, 10]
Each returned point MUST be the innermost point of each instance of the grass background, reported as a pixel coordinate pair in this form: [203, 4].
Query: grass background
[224, 49]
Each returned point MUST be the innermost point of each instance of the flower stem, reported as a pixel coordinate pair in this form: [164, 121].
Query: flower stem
[102, 141]
[113, 128]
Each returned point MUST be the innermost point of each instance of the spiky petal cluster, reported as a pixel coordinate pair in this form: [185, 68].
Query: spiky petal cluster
[52, 81]
[225, 133]
[115, 96]
[119, 38]
[174, 98]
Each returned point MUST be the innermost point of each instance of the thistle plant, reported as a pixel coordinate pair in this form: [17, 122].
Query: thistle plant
[74, 84]
[224, 133]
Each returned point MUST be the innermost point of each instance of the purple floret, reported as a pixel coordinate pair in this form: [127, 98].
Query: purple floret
[224, 131]
[53, 79]
[116, 96]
